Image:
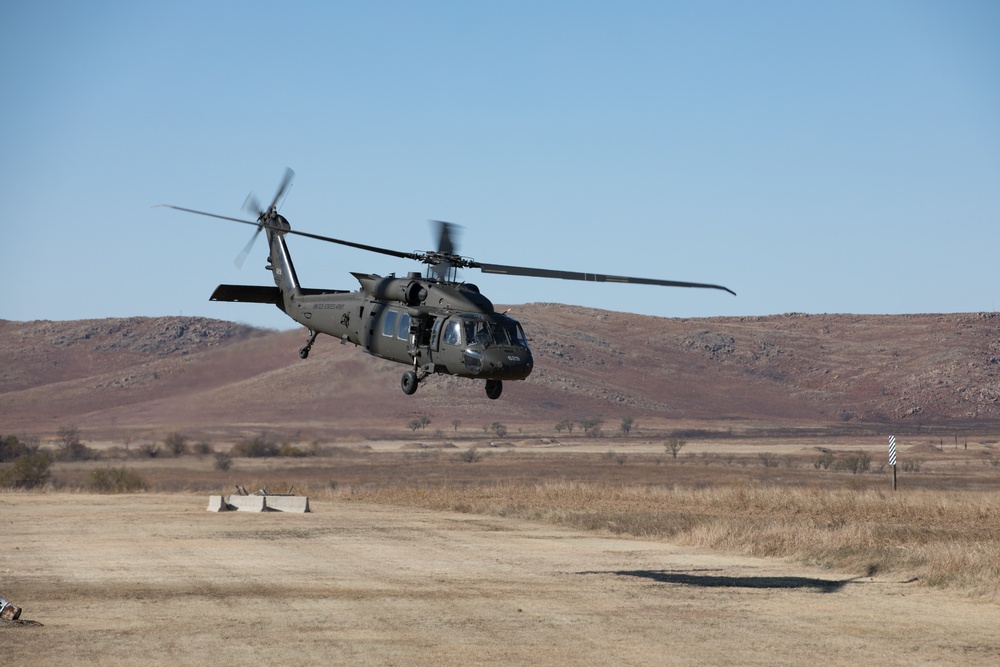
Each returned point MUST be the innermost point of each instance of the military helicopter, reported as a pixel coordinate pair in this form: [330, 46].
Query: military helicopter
[433, 323]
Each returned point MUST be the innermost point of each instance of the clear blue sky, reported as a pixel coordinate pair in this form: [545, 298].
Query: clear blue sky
[814, 157]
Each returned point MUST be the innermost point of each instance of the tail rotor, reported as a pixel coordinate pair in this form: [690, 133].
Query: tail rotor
[252, 206]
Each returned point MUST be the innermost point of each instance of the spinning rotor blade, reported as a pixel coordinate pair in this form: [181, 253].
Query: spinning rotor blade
[447, 232]
[447, 250]
[360, 246]
[283, 188]
[211, 215]
[242, 257]
[318, 237]
[587, 277]
[252, 206]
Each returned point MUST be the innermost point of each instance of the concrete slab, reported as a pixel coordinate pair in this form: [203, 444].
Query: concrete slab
[287, 503]
[246, 503]
[217, 504]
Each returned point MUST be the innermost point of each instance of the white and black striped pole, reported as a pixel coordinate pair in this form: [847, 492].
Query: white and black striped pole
[892, 459]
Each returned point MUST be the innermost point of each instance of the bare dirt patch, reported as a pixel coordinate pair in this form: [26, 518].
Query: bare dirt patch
[155, 579]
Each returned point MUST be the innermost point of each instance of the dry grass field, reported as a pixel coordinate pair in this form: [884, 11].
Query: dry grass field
[537, 552]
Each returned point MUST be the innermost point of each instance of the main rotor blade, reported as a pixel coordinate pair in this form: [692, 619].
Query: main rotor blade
[360, 246]
[211, 215]
[588, 277]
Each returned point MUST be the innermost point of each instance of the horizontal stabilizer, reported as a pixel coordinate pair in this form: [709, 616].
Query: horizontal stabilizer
[254, 294]
[247, 294]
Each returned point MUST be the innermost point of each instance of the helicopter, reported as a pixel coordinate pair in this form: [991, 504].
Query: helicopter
[433, 323]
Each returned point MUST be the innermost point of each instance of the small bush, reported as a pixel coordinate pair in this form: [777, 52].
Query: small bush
[176, 444]
[223, 461]
[115, 480]
[768, 459]
[471, 455]
[258, 447]
[26, 472]
[71, 448]
[674, 446]
[150, 451]
[856, 463]
[11, 447]
[202, 449]
[291, 450]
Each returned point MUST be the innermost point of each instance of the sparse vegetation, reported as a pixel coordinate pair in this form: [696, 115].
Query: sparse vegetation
[115, 480]
[223, 461]
[768, 459]
[499, 429]
[592, 426]
[256, 447]
[627, 424]
[27, 471]
[565, 425]
[419, 422]
[71, 448]
[674, 446]
[12, 447]
[176, 444]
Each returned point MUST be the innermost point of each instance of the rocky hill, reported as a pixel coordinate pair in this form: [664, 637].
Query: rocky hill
[141, 375]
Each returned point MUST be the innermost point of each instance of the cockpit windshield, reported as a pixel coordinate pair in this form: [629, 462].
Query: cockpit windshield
[496, 330]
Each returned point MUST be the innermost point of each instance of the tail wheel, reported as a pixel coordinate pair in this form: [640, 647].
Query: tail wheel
[494, 388]
[409, 383]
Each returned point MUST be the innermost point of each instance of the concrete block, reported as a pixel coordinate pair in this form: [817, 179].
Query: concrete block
[247, 503]
[217, 504]
[287, 503]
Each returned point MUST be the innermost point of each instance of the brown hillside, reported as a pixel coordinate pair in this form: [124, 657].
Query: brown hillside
[137, 375]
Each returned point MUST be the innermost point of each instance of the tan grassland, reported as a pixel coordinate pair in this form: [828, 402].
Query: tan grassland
[535, 552]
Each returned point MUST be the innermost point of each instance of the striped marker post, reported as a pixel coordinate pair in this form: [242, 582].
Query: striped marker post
[892, 459]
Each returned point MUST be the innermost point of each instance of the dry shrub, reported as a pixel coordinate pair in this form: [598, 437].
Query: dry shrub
[116, 480]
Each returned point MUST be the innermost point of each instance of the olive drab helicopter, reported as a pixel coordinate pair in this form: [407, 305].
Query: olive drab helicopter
[433, 323]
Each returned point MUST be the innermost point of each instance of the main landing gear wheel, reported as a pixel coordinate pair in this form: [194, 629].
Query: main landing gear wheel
[409, 383]
[304, 350]
[494, 388]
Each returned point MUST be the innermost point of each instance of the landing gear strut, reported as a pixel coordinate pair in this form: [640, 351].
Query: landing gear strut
[304, 350]
[411, 379]
[494, 388]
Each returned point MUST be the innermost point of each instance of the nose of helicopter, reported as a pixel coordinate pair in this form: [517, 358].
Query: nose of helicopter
[500, 363]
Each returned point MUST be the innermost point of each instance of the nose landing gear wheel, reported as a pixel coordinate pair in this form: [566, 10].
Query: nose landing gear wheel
[494, 388]
[408, 383]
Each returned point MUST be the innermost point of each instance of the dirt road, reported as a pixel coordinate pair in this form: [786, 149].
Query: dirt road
[157, 580]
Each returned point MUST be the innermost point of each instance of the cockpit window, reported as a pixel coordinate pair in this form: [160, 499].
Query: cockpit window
[453, 333]
[498, 330]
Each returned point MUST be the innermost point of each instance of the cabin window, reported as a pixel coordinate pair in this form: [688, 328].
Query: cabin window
[453, 333]
[389, 323]
[404, 327]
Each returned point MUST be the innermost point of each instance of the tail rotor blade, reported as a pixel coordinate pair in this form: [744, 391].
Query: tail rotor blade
[285, 182]
[242, 257]
[252, 206]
